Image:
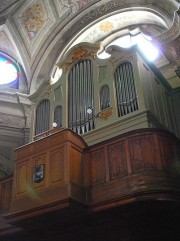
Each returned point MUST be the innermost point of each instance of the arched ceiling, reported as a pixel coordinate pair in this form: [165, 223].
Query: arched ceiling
[119, 24]
[38, 32]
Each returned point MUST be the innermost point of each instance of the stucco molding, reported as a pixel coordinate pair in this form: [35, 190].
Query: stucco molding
[4, 4]
[173, 32]
[12, 121]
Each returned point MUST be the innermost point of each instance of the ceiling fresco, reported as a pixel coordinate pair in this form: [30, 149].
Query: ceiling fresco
[38, 32]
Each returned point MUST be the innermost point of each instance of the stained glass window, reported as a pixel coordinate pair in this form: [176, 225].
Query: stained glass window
[8, 71]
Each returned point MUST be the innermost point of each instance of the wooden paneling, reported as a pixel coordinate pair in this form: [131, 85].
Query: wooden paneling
[56, 165]
[123, 169]
[24, 152]
[98, 168]
[117, 160]
[142, 152]
[76, 166]
[139, 162]
[167, 151]
[21, 178]
[61, 157]
[5, 193]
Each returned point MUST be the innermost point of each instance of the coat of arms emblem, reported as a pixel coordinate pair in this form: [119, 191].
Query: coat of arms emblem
[38, 173]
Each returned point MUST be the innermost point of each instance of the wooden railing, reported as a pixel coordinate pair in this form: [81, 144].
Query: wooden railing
[141, 164]
[138, 165]
[46, 133]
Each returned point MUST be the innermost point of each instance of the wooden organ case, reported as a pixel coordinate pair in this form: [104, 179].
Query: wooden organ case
[104, 169]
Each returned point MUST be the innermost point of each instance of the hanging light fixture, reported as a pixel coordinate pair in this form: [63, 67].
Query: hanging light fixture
[55, 124]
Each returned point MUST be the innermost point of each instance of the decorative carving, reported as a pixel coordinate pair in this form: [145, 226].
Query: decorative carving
[142, 153]
[8, 96]
[45, 134]
[150, 30]
[33, 19]
[98, 166]
[104, 115]
[48, 91]
[173, 32]
[38, 173]
[106, 26]
[94, 14]
[102, 75]
[117, 160]
[82, 3]
[22, 170]
[56, 165]
[28, 113]
[72, 5]
[12, 121]
[58, 93]
[113, 61]
[78, 54]
[167, 152]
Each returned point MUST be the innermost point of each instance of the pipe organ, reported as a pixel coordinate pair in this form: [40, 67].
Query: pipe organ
[113, 144]
[124, 92]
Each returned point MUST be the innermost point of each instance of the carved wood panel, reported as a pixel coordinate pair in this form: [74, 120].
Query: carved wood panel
[56, 139]
[40, 145]
[113, 169]
[167, 151]
[98, 169]
[22, 175]
[76, 166]
[56, 165]
[117, 160]
[23, 152]
[5, 194]
[142, 153]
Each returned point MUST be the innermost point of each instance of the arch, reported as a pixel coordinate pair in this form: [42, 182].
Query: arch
[42, 117]
[81, 97]
[60, 43]
[9, 72]
[104, 97]
[125, 89]
[20, 80]
[58, 116]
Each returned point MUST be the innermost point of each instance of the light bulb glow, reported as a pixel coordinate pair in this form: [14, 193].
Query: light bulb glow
[89, 110]
[54, 124]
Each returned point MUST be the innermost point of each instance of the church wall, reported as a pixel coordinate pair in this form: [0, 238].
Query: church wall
[15, 118]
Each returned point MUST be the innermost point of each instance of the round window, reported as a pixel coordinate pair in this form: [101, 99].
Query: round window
[8, 71]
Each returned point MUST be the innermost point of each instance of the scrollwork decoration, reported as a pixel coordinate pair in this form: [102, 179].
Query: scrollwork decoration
[104, 115]
[78, 54]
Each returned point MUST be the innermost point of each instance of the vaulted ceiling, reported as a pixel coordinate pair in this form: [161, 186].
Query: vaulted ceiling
[37, 33]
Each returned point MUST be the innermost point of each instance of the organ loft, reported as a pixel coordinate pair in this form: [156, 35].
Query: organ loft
[89, 121]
